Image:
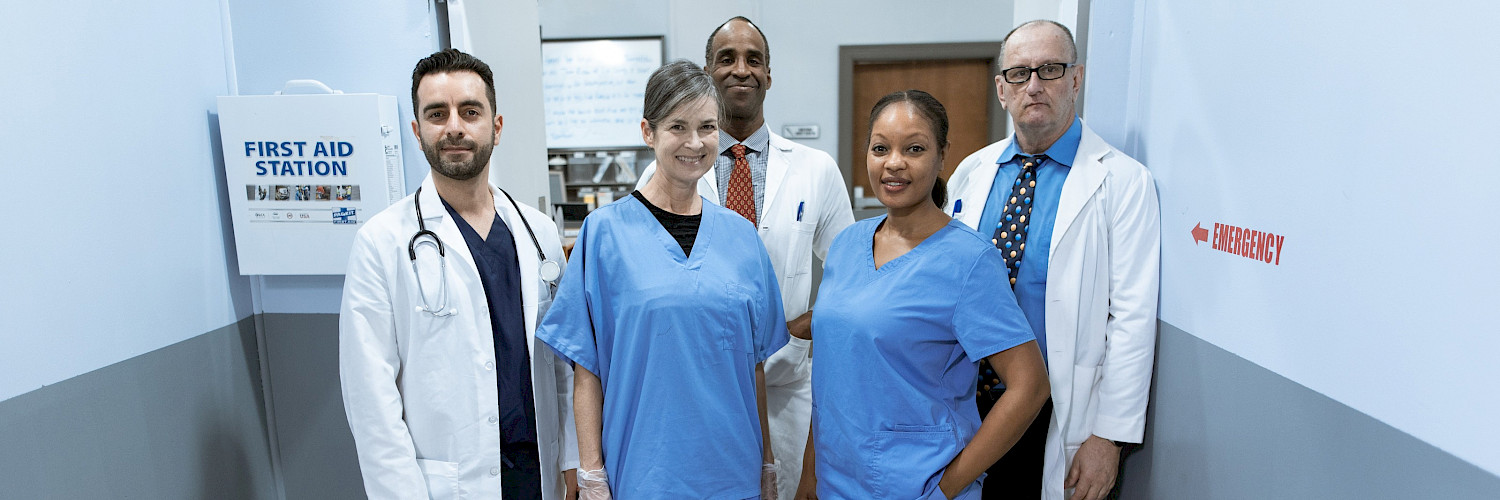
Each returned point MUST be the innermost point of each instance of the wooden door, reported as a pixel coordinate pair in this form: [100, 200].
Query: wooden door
[964, 86]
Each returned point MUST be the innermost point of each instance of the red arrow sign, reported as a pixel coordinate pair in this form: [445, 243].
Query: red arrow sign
[1199, 234]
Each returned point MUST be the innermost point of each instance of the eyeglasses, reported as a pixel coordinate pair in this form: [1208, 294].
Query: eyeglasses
[1050, 71]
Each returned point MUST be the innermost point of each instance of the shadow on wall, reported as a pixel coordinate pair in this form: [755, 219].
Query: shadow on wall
[239, 286]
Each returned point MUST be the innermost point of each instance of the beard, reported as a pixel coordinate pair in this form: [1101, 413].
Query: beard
[458, 170]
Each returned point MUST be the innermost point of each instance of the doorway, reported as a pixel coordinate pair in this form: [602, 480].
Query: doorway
[960, 75]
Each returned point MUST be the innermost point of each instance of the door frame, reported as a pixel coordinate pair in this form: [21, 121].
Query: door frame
[849, 55]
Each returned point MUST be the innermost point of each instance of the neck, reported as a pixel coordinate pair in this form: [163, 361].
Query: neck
[672, 195]
[916, 222]
[1036, 141]
[466, 196]
[740, 128]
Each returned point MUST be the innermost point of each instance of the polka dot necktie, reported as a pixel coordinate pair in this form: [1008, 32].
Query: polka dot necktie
[1010, 238]
[741, 196]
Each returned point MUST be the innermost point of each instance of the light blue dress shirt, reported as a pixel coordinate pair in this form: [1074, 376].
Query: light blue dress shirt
[1031, 278]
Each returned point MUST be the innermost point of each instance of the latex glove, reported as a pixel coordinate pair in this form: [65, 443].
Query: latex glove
[768, 481]
[593, 485]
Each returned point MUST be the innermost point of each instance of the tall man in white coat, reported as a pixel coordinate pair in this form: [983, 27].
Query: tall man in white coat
[445, 387]
[1077, 222]
[796, 197]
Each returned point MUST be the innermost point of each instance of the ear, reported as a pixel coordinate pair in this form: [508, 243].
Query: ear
[1000, 90]
[1077, 78]
[646, 134]
[499, 124]
[417, 133]
[768, 78]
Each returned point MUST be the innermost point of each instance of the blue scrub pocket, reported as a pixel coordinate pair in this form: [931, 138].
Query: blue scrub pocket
[737, 332]
[907, 461]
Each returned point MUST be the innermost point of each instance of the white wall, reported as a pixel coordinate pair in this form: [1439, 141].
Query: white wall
[804, 39]
[1362, 134]
[115, 243]
[507, 36]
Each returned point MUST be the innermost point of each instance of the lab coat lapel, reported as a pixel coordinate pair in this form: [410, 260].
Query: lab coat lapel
[525, 258]
[439, 222]
[776, 172]
[977, 191]
[708, 186]
[1084, 179]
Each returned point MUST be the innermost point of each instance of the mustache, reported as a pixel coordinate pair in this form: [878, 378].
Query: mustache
[463, 143]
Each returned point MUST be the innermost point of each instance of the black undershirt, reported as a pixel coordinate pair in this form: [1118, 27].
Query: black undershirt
[683, 228]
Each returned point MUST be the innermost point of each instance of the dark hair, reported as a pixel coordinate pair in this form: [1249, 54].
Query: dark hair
[1072, 46]
[450, 61]
[708, 48]
[937, 117]
[672, 85]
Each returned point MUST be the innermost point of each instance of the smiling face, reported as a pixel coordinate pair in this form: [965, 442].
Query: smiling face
[455, 126]
[903, 157]
[1042, 109]
[741, 70]
[686, 141]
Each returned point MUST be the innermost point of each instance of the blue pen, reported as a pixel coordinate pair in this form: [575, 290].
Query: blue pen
[958, 206]
[799, 210]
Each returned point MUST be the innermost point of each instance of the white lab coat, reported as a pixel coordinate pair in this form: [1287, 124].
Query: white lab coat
[420, 391]
[795, 175]
[1102, 281]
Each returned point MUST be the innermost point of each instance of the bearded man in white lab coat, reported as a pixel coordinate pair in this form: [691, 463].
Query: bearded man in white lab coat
[796, 197]
[446, 390]
[1077, 221]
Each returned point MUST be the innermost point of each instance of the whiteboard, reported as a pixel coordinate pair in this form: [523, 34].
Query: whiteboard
[593, 90]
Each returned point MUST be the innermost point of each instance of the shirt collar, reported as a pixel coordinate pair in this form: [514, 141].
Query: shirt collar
[758, 141]
[1061, 151]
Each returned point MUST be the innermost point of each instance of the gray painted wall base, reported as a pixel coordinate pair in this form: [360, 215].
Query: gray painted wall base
[1221, 427]
[318, 460]
[186, 421]
[181, 422]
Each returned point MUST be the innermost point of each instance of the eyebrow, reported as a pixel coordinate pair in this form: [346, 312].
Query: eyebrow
[467, 103]
[730, 50]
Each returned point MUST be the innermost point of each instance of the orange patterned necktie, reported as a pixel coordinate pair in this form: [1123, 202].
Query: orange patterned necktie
[741, 197]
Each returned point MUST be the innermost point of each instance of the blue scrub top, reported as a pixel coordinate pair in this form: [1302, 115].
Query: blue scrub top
[898, 357]
[500, 275]
[674, 340]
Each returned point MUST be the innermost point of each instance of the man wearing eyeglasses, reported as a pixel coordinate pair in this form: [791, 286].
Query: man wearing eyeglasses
[1077, 223]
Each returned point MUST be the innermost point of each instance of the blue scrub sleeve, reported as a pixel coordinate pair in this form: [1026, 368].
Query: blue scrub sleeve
[771, 334]
[987, 318]
[568, 327]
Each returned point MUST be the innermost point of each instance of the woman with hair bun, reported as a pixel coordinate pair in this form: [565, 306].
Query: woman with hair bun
[910, 303]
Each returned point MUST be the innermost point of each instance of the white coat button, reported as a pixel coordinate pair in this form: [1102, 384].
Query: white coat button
[494, 471]
[489, 365]
[494, 419]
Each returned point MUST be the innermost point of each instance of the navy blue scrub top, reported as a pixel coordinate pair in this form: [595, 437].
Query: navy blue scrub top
[500, 273]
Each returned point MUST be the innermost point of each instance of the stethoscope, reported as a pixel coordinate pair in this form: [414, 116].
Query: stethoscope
[549, 270]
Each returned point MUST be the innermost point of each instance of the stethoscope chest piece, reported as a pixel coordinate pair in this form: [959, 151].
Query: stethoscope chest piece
[549, 271]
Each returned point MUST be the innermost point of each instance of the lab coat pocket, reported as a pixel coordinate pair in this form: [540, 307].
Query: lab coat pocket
[799, 249]
[441, 477]
[907, 461]
[796, 267]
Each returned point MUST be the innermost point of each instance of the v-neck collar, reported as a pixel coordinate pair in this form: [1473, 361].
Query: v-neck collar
[700, 240]
[466, 229]
[901, 260]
